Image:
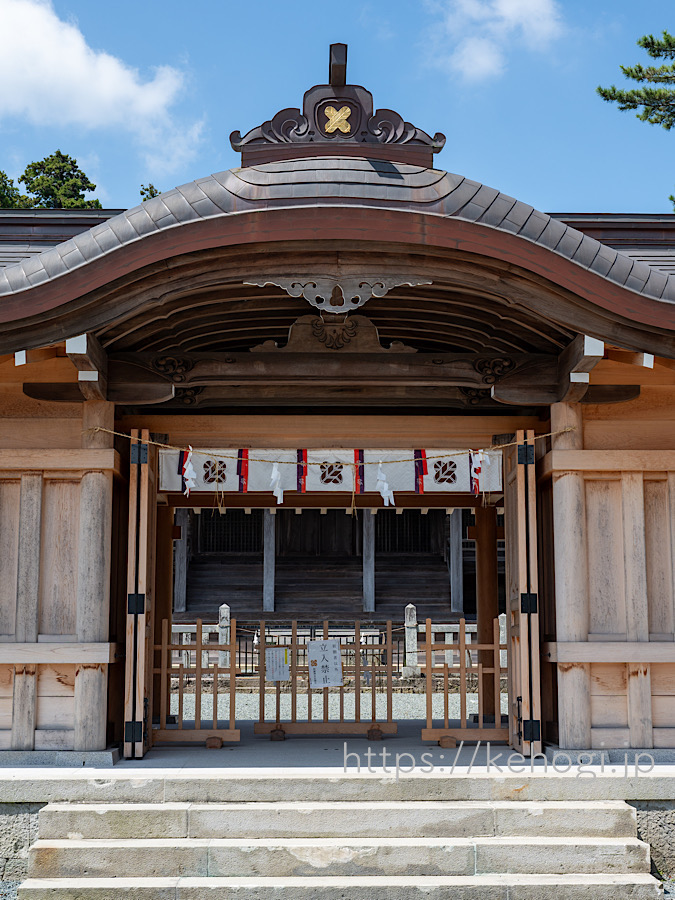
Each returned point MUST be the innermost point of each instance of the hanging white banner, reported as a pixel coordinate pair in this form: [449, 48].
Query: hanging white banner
[345, 471]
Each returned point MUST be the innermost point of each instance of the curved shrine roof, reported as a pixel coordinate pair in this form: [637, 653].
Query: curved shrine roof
[326, 182]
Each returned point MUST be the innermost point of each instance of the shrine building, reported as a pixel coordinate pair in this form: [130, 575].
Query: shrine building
[325, 385]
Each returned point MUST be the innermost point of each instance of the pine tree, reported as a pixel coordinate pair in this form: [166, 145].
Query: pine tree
[148, 191]
[57, 182]
[656, 104]
[10, 196]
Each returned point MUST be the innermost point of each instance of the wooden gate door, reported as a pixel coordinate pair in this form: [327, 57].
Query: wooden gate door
[140, 596]
[522, 615]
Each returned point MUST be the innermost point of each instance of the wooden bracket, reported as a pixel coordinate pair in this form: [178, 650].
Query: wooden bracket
[575, 364]
[91, 362]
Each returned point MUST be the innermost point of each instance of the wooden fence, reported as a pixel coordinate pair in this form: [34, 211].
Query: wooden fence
[463, 666]
[457, 673]
[366, 666]
[178, 680]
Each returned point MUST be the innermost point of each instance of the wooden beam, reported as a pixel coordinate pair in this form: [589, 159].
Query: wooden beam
[609, 652]
[91, 362]
[536, 385]
[75, 460]
[25, 357]
[128, 394]
[630, 357]
[611, 393]
[422, 369]
[48, 652]
[607, 461]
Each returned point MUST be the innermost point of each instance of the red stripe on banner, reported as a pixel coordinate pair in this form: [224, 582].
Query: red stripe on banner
[358, 472]
[419, 471]
[302, 471]
[425, 468]
[243, 471]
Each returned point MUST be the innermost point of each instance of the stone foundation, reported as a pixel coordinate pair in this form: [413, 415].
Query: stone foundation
[656, 826]
[18, 830]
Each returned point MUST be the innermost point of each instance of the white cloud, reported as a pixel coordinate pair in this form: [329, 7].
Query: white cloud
[51, 76]
[473, 38]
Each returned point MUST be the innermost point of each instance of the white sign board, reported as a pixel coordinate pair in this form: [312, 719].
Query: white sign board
[325, 664]
[277, 664]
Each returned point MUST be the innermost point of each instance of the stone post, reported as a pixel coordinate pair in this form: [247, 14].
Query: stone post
[411, 668]
[224, 635]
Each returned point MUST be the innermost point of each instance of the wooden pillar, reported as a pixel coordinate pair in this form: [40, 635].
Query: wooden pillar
[456, 564]
[181, 561]
[637, 613]
[487, 595]
[571, 582]
[24, 700]
[28, 564]
[163, 586]
[368, 560]
[93, 584]
[269, 559]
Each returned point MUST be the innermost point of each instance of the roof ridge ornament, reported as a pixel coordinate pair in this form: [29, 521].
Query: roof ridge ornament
[337, 119]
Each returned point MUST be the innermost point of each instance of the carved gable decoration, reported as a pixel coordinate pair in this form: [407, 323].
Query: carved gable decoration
[337, 118]
[338, 293]
[330, 333]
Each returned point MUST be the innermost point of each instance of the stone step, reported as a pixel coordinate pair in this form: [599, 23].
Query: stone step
[494, 887]
[302, 857]
[236, 785]
[328, 819]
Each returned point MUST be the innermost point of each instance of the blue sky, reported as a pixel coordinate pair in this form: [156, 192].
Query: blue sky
[142, 90]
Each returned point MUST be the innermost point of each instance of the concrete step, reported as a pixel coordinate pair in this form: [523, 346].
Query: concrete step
[494, 887]
[302, 857]
[356, 819]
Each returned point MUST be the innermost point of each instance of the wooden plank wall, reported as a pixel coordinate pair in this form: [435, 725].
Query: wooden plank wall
[55, 523]
[615, 649]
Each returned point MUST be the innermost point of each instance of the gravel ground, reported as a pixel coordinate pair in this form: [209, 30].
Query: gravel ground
[404, 706]
[8, 890]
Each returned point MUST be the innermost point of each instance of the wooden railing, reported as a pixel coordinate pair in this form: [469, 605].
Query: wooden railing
[175, 671]
[455, 669]
[461, 665]
[366, 666]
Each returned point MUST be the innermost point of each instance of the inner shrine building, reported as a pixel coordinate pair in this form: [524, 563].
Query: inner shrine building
[329, 383]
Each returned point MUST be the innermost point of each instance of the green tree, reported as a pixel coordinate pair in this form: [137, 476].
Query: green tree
[57, 182]
[148, 191]
[657, 104]
[655, 101]
[10, 195]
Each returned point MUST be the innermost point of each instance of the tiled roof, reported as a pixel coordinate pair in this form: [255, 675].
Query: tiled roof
[339, 181]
